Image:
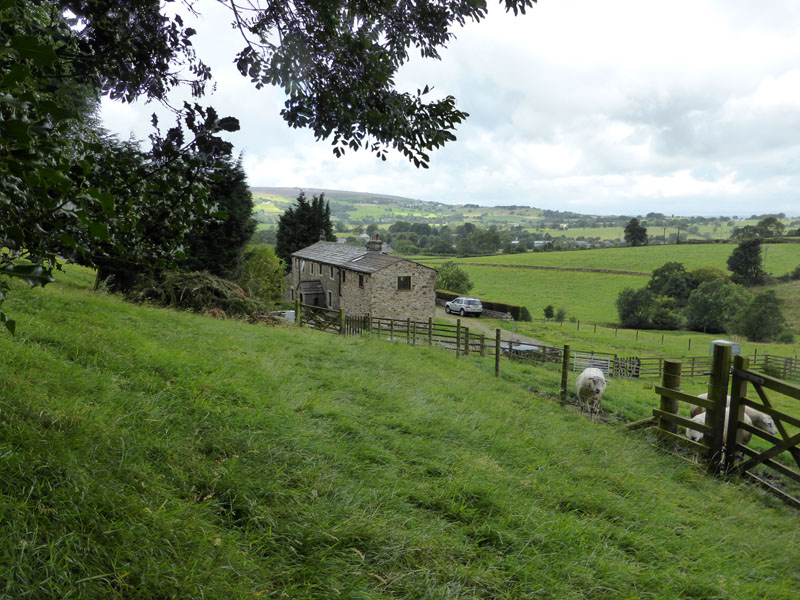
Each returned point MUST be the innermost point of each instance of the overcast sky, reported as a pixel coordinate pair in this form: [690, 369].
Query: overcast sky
[688, 107]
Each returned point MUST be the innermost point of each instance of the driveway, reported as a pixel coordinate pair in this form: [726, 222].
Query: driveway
[481, 326]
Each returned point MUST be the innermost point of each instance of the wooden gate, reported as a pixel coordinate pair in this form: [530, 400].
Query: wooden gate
[788, 426]
[320, 318]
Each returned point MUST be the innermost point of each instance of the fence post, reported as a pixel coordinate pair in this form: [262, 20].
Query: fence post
[466, 341]
[408, 330]
[718, 394]
[690, 344]
[672, 381]
[298, 320]
[579, 325]
[391, 330]
[483, 345]
[458, 337]
[341, 321]
[430, 331]
[564, 371]
[738, 391]
[595, 327]
[497, 352]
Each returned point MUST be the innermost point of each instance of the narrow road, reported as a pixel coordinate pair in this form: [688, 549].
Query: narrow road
[480, 325]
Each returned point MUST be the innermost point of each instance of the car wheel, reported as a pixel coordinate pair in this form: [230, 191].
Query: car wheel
[446, 309]
[462, 312]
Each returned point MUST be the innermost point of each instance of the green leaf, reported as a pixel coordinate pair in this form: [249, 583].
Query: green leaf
[99, 230]
[16, 73]
[33, 275]
[30, 46]
[105, 199]
[68, 240]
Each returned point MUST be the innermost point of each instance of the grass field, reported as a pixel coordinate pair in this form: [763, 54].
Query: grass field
[780, 259]
[535, 289]
[154, 454]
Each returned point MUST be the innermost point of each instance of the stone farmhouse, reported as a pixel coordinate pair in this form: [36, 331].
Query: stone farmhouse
[361, 281]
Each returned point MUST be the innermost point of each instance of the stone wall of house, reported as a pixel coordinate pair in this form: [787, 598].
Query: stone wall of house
[355, 299]
[417, 303]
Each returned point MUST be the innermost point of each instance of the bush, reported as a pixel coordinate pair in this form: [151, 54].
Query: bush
[785, 337]
[261, 274]
[549, 311]
[561, 314]
[760, 319]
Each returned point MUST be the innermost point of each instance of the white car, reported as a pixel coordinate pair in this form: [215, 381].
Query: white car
[464, 306]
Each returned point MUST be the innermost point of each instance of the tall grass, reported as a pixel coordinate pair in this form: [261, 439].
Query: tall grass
[151, 454]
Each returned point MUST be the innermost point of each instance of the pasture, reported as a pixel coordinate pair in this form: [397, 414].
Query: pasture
[780, 259]
[150, 453]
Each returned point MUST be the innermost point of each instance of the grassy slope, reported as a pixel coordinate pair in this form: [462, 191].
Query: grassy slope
[152, 454]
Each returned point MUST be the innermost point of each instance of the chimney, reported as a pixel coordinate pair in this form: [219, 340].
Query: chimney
[375, 245]
[322, 235]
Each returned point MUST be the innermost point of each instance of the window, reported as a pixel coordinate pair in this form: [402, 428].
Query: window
[292, 291]
[312, 268]
[404, 282]
[343, 272]
[330, 299]
[361, 281]
[303, 266]
[331, 271]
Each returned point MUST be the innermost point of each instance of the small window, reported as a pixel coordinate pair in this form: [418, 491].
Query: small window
[331, 271]
[343, 272]
[330, 299]
[404, 282]
[292, 293]
[303, 266]
[361, 281]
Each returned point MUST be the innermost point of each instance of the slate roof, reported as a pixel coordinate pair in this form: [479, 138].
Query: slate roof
[348, 257]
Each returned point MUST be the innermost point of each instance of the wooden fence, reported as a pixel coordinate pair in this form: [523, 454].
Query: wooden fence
[720, 434]
[459, 338]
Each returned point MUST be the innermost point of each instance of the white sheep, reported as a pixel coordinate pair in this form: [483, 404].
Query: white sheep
[742, 436]
[591, 384]
[759, 419]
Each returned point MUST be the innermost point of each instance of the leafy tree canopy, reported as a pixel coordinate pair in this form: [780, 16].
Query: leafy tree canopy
[453, 278]
[635, 308]
[712, 306]
[672, 280]
[745, 263]
[261, 274]
[760, 319]
[635, 233]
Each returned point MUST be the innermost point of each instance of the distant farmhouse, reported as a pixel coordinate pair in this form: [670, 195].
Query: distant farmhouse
[362, 280]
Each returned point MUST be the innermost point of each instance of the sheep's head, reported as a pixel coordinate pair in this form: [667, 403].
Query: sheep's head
[598, 385]
[766, 423]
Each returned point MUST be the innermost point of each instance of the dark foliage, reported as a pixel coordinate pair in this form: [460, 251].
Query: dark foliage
[672, 280]
[745, 263]
[301, 225]
[635, 233]
[218, 247]
[761, 319]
